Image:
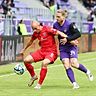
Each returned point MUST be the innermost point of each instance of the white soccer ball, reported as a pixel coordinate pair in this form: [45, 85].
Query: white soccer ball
[19, 69]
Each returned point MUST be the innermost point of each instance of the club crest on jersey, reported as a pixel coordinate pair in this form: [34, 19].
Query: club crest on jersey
[65, 30]
[72, 53]
[44, 34]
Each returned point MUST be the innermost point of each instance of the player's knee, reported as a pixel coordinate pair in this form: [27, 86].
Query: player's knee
[74, 63]
[25, 60]
[29, 59]
[44, 64]
[67, 66]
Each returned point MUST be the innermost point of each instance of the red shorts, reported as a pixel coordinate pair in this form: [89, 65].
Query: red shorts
[41, 55]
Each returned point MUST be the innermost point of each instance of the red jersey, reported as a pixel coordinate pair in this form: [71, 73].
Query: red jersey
[46, 38]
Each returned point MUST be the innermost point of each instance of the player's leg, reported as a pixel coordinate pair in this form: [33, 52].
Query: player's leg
[33, 57]
[74, 61]
[64, 56]
[75, 64]
[81, 67]
[43, 73]
[49, 58]
[70, 73]
[27, 61]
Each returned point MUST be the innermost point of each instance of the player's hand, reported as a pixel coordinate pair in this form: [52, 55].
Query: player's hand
[74, 42]
[63, 41]
[63, 35]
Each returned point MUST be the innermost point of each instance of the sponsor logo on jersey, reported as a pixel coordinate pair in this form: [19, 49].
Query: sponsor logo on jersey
[42, 39]
[65, 30]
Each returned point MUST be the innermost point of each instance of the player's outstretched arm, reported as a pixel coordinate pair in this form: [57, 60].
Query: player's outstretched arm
[61, 34]
[64, 40]
[28, 44]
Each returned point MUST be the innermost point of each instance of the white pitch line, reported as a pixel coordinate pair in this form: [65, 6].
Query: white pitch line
[5, 75]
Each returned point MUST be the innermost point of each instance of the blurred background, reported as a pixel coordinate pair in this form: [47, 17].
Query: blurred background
[82, 12]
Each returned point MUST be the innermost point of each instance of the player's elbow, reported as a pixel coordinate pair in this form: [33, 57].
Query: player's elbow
[77, 32]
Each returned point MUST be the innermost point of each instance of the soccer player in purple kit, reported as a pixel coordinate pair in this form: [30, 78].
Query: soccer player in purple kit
[68, 47]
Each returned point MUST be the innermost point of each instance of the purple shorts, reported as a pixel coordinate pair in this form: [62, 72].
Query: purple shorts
[71, 52]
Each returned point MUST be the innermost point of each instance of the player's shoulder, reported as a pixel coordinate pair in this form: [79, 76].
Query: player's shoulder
[68, 22]
[49, 29]
[45, 27]
[73, 25]
[55, 23]
[35, 33]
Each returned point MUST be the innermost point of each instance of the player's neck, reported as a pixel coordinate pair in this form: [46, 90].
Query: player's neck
[61, 23]
[41, 28]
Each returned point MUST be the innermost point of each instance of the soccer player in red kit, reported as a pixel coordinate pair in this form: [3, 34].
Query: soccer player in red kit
[47, 52]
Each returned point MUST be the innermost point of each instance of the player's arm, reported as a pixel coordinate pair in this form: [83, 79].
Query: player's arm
[56, 32]
[64, 40]
[72, 39]
[74, 31]
[34, 36]
[28, 45]
[61, 34]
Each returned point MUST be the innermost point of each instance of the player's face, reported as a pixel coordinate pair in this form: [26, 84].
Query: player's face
[59, 17]
[36, 28]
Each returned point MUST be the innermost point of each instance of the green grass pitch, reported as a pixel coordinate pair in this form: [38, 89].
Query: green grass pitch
[56, 82]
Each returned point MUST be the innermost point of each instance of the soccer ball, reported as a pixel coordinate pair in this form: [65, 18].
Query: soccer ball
[19, 69]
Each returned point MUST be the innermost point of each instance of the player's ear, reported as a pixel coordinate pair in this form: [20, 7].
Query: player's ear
[41, 23]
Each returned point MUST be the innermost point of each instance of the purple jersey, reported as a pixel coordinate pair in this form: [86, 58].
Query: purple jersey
[65, 29]
[68, 50]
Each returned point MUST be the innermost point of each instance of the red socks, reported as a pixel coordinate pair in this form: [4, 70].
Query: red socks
[30, 68]
[43, 73]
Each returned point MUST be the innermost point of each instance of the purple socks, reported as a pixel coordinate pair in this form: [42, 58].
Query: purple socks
[70, 74]
[82, 68]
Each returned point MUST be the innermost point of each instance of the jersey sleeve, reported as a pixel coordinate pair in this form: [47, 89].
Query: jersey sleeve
[34, 36]
[74, 32]
[51, 30]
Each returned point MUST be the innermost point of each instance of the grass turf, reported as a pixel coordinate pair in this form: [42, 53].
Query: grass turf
[55, 84]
